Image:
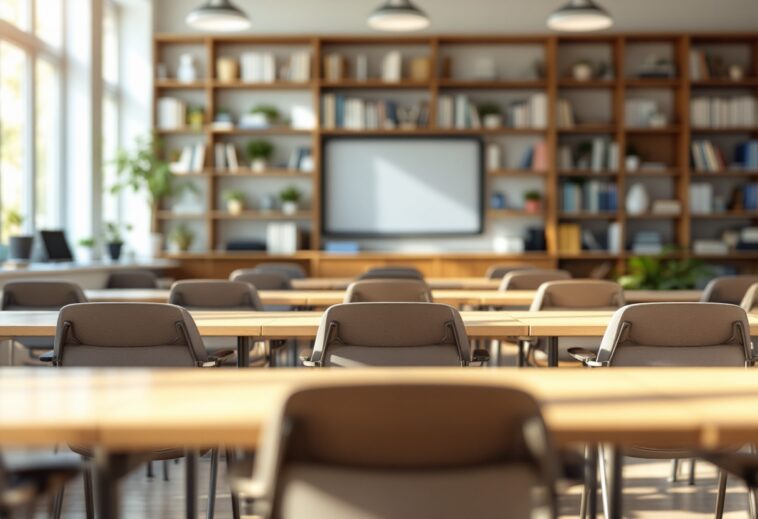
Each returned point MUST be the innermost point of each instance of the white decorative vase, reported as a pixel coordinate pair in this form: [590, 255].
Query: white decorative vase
[186, 73]
[156, 244]
[494, 157]
[493, 121]
[582, 71]
[259, 165]
[637, 199]
[289, 207]
[234, 207]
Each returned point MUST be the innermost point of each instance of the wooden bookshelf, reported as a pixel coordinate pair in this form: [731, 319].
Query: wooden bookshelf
[670, 144]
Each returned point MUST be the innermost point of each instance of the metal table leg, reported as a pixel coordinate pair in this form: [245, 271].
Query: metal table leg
[552, 352]
[190, 483]
[107, 499]
[243, 352]
[615, 494]
[590, 480]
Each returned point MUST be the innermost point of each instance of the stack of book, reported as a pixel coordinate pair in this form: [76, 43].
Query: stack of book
[598, 155]
[339, 111]
[535, 157]
[191, 160]
[593, 196]
[647, 242]
[460, 112]
[528, 113]
[299, 69]
[569, 238]
[225, 157]
[335, 67]
[257, 67]
[172, 113]
[748, 239]
[282, 238]
[565, 114]
[746, 155]
[701, 198]
[709, 247]
[724, 112]
[707, 158]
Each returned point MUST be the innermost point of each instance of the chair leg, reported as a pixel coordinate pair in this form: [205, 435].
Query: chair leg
[235, 498]
[89, 496]
[674, 470]
[691, 480]
[150, 472]
[721, 496]
[603, 481]
[589, 494]
[190, 484]
[166, 467]
[212, 484]
[58, 503]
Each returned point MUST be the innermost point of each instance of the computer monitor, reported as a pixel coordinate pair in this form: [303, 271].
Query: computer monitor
[55, 246]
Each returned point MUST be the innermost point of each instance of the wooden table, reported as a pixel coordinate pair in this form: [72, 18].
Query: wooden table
[453, 297]
[122, 411]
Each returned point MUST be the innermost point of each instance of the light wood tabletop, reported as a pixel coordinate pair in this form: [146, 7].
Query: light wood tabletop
[454, 297]
[140, 409]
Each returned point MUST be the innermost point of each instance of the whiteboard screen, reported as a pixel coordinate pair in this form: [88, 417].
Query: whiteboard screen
[402, 186]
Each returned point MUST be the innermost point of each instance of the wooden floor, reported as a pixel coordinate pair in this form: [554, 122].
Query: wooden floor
[647, 495]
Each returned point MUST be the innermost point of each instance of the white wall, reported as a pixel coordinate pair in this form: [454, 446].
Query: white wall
[473, 16]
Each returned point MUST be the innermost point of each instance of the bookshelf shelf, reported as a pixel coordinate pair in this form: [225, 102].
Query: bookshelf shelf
[725, 83]
[261, 131]
[516, 173]
[245, 172]
[179, 85]
[513, 213]
[277, 85]
[729, 215]
[260, 215]
[653, 216]
[658, 83]
[172, 215]
[653, 131]
[725, 174]
[589, 216]
[734, 129]
[588, 128]
[668, 172]
[589, 84]
[375, 84]
[491, 85]
[586, 173]
[179, 131]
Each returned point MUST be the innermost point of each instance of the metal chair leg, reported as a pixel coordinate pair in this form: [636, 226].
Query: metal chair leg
[721, 496]
[691, 480]
[89, 497]
[166, 467]
[190, 484]
[235, 498]
[674, 470]
[212, 484]
[603, 480]
[58, 503]
[589, 494]
[150, 472]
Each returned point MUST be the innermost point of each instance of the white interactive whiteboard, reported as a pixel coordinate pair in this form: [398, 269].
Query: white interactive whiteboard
[402, 186]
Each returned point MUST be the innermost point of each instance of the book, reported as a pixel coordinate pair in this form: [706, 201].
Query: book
[392, 67]
[231, 158]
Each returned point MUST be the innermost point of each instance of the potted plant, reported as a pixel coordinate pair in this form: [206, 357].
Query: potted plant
[143, 169]
[657, 273]
[19, 246]
[268, 114]
[235, 201]
[491, 115]
[259, 152]
[86, 250]
[114, 238]
[533, 201]
[290, 197]
[632, 161]
[182, 237]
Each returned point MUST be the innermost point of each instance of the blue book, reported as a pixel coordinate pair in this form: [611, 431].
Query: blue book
[340, 111]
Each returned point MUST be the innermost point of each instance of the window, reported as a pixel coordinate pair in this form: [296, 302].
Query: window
[30, 100]
[111, 109]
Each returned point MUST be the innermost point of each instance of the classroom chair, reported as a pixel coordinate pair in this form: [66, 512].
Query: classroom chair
[392, 334]
[750, 300]
[388, 291]
[132, 279]
[36, 295]
[262, 279]
[391, 273]
[128, 335]
[499, 271]
[694, 335]
[531, 279]
[291, 270]
[574, 294]
[727, 289]
[401, 451]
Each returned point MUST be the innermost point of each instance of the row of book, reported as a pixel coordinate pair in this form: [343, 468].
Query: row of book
[460, 112]
[599, 154]
[335, 67]
[638, 112]
[172, 113]
[565, 114]
[339, 111]
[593, 196]
[535, 157]
[191, 160]
[750, 197]
[724, 112]
[704, 65]
[261, 67]
[708, 158]
[701, 198]
[572, 239]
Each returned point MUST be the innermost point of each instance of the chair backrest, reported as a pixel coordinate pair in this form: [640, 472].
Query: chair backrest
[391, 334]
[677, 334]
[579, 294]
[388, 291]
[751, 296]
[262, 280]
[291, 270]
[127, 334]
[212, 294]
[531, 279]
[402, 451]
[40, 295]
[132, 279]
[392, 273]
[499, 271]
[727, 289]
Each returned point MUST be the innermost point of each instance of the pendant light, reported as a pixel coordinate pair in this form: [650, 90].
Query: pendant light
[398, 16]
[218, 16]
[580, 16]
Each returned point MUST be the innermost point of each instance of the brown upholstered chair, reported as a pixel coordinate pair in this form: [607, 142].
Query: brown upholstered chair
[499, 271]
[694, 335]
[750, 300]
[388, 291]
[262, 280]
[727, 289]
[291, 270]
[392, 273]
[129, 335]
[531, 279]
[212, 294]
[392, 334]
[132, 279]
[400, 451]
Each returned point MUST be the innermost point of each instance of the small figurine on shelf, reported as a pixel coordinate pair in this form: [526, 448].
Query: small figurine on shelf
[632, 161]
[582, 70]
[186, 73]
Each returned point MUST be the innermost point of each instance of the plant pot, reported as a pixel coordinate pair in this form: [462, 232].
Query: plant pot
[533, 206]
[632, 163]
[259, 165]
[492, 121]
[114, 250]
[234, 207]
[156, 244]
[20, 248]
[85, 254]
[289, 207]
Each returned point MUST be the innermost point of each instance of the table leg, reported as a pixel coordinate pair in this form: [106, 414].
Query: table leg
[590, 480]
[615, 482]
[243, 352]
[190, 483]
[107, 497]
[552, 352]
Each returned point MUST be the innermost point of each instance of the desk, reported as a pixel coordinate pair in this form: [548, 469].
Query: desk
[120, 411]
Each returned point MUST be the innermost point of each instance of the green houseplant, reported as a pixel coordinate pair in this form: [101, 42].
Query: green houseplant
[269, 112]
[490, 114]
[259, 152]
[235, 201]
[661, 273]
[182, 237]
[114, 238]
[86, 248]
[532, 201]
[290, 197]
[19, 246]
